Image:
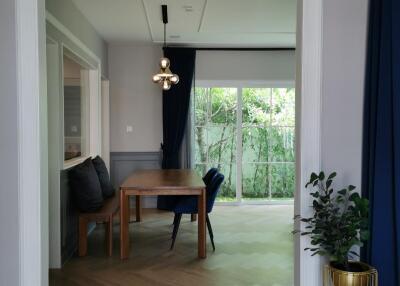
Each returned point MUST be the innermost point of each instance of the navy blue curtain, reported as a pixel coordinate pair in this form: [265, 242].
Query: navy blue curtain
[381, 150]
[176, 103]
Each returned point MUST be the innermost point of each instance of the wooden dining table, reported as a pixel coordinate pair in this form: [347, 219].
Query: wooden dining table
[161, 182]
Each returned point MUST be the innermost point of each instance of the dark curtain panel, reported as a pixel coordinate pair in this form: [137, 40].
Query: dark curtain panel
[175, 110]
[381, 150]
[176, 104]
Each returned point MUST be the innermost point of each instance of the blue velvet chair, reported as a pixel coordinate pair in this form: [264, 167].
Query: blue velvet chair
[188, 205]
[209, 176]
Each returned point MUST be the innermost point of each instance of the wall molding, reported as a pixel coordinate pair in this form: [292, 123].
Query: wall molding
[122, 164]
[59, 26]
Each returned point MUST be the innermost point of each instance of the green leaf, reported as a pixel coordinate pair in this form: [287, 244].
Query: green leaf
[351, 188]
[321, 176]
[354, 197]
[332, 175]
[342, 192]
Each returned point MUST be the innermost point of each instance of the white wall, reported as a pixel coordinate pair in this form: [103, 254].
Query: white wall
[9, 237]
[343, 69]
[137, 101]
[134, 99]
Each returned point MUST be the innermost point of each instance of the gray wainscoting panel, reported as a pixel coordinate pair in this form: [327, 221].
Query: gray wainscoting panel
[69, 220]
[122, 164]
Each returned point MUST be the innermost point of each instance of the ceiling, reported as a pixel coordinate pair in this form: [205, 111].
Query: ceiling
[230, 23]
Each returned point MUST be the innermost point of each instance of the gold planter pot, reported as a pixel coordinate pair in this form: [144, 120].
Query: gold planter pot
[337, 277]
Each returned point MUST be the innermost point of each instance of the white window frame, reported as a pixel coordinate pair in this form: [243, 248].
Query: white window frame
[240, 85]
[91, 121]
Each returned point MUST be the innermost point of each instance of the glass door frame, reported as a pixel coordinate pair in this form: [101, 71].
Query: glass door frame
[240, 85]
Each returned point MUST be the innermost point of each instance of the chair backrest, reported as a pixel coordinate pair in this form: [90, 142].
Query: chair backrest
[209, 176]
[212, 190]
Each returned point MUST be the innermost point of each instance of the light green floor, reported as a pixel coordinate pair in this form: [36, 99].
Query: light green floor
[254, 246]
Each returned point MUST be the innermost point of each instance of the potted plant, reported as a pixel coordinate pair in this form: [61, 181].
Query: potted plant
[339, 223]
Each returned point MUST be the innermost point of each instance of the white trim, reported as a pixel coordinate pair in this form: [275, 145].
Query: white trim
[239, 144]
[308, 270]
[203, 12]
[68, 164]
[54, 151]
[59, 26]
[105, 122]
[29, 159]
[94, 113]
[147, 20]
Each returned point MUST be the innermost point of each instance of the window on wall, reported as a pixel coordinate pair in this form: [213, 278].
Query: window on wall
[75, 109]
[248, 133]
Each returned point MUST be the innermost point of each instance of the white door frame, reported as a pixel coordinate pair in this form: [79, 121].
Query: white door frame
[31, 35]
[32, 141]
[308, 270]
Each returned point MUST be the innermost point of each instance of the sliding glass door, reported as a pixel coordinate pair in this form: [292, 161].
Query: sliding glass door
[248, 133]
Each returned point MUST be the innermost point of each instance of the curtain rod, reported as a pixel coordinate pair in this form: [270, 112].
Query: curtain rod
[235, 49]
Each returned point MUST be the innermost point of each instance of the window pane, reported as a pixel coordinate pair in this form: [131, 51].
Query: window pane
[255, 144]
[201, 169]
[200, 149]
[221, 144]
[283, 105]
[223, 105]
[256, 106]
[282, 144]
[200, 106]
[228, 188]
[74, 102]
[282, 180]
[255, 181]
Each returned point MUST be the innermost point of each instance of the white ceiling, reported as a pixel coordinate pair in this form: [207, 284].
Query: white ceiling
[232, 23]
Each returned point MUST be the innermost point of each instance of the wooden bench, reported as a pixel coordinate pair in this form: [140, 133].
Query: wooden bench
[104, 214]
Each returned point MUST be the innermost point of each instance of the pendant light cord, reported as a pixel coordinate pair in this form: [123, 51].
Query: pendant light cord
[165, 35]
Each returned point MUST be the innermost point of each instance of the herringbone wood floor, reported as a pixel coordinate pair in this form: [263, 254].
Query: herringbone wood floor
[254, 246]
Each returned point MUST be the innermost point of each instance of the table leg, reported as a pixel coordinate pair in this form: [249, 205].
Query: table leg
[202, 225]
[124, 224]
[138, 209]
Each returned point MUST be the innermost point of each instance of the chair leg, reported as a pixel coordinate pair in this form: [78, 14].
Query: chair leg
[210, 231]
[109, 234]
[82, 251]
[193, 217]
[173, 224]
[176, 228]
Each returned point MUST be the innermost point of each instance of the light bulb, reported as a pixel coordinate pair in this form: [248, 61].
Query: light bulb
[164, 63]
[174, 79]
[156, 78]
[166, 85]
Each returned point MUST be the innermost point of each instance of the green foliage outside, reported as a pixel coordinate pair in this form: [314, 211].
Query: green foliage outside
[268, 117]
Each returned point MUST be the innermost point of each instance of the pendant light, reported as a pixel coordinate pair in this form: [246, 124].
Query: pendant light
[165, 77]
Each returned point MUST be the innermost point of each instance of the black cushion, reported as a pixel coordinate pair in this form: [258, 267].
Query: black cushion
[85, 187]
[104, 178]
